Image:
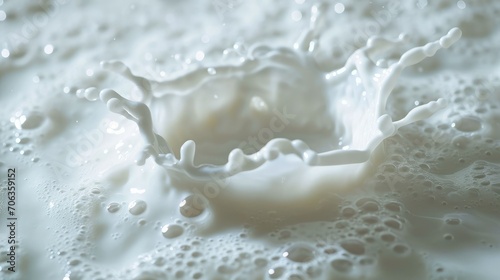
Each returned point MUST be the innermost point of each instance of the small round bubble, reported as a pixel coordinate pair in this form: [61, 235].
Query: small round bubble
[353, 246]
[299, 253]
[192, 206]
[137, 207]
[113, 207]
[341, 265]
[172, 231]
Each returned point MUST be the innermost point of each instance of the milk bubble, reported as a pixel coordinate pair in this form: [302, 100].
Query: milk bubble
[113, 207]
[342, 265]
[388, 237]
[467, 124]
[172, 231]
[192, 206]
[353, 246]
[276, 273]
[28, 119]
[137, 207]
[400, 249]
[393, 223]
[299, 253]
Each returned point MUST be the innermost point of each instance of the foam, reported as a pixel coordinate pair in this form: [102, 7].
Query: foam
[385, 200]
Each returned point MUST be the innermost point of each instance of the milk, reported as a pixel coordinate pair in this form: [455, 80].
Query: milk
[233, 153]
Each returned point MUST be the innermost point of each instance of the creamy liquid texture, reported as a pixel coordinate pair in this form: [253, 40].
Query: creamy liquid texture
[233, 140]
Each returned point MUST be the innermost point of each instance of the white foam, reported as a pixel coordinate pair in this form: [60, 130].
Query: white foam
[268, 159]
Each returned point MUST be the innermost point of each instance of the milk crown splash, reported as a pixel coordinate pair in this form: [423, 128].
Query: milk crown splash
[358, 113]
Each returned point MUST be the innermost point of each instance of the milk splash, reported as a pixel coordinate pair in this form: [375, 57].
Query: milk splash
[285, 176]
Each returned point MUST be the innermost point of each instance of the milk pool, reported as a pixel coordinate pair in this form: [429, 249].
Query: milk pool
[315, 154]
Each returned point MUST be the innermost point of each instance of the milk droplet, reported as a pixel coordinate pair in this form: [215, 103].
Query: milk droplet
[339, 8]
[48, 49]
[259, 105]
[5, 53]
[137, 207]
[211, 71]
[113, 207]
[461, 5]
[192, 206]
[172, 231]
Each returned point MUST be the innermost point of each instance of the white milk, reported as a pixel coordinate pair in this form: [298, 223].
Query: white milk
[205, 141]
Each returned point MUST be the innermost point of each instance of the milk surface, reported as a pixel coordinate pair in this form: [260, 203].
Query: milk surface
[235, 140]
